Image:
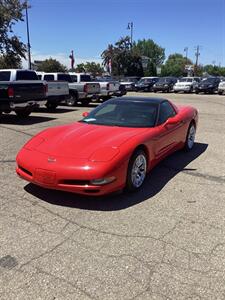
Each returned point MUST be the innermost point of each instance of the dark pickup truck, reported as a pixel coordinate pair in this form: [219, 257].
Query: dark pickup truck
[21, 91]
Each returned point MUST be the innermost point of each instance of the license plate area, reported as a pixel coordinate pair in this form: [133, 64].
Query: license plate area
[45, 176]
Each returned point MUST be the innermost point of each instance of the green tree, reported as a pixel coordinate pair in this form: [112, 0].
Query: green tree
[10, 62]
[214, 70]
[175, 65]
[94, 68]
[124, 61]
[80, 68]
[11, 11]
[51, 65]
[154, 52]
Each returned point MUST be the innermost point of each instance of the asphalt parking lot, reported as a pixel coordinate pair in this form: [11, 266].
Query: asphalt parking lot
[165, 242]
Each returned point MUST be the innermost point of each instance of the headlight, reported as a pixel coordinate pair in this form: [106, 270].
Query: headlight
[210, 85]
[103, 181]
[165, 84]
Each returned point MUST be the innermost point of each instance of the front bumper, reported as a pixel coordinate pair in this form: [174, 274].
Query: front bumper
[161, 88]
[205, 89]
[75, 176]
[182, 88]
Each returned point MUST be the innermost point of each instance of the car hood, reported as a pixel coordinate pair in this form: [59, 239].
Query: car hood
[81, 140]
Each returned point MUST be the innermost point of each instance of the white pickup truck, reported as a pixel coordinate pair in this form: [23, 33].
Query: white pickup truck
[108, 88]
[58, 91]
[221, 87]
[87, 90]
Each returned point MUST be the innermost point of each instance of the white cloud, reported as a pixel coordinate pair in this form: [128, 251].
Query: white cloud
[63, 58]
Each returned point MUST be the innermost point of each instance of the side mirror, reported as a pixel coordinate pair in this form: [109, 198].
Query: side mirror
[171, 121]
[85, 114]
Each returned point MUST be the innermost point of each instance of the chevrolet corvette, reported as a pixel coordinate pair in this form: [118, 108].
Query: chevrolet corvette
[111, 148]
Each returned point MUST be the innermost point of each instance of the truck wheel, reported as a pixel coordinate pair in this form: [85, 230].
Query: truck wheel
[85, 102]
[72, 100]
[220, 93]
[23, 113]
[51, 106]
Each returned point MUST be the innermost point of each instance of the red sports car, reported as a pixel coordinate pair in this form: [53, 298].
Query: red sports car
[111, 148]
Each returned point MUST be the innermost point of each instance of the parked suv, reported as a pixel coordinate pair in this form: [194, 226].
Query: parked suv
[164, 84]
[145, 84]
[186, 84]
[129, 82]
[221, 87]
[209, 85]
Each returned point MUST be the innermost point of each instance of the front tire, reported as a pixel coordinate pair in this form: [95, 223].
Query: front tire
[137, 170]
[190, 137]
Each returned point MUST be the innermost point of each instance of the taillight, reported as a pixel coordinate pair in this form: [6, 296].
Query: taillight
[85, 88]
[45, 89]
[107, 86]
[10, 92]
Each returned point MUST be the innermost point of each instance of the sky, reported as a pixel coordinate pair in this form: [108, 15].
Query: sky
[88, 26]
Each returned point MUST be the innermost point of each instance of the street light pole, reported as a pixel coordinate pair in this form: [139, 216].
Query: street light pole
[28, 40]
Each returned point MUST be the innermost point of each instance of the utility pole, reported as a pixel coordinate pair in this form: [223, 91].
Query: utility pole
[28, 39]
[130, 27]
[197, 53]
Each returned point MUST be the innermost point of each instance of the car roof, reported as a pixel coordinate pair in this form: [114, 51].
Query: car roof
[152, 100]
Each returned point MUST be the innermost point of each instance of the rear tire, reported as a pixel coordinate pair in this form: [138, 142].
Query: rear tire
[190, 137]
[85, 102]
[72, 101]
[23, 113]
[137, 170]
[51, 106]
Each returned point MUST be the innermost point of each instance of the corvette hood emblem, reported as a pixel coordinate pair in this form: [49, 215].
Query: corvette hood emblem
[51, 159]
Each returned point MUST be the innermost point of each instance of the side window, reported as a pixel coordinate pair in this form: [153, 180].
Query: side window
[48, 77]
[165, 112]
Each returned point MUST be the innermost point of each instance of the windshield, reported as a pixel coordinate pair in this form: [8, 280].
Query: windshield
[164, 80]
[129, 79]
[123, 114]
[210, 80]
[146, 80]
[26, 75]
[185, 80]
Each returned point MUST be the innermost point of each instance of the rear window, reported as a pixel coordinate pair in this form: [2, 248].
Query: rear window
[26, 75]
[4, 76]
[48, 77]
[64, 77]
[84, 78]
[74, 78]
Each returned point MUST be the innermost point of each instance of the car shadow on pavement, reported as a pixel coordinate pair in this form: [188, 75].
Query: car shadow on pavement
[154, 183]
[32, 119]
